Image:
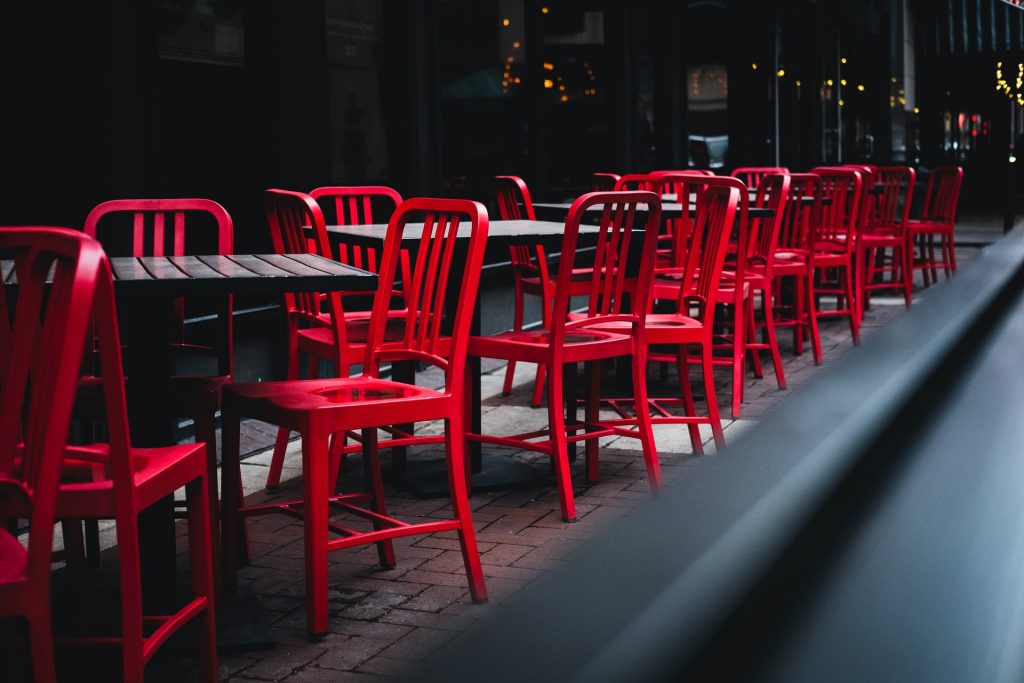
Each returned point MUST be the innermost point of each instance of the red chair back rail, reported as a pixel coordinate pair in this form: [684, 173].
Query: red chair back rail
[157, 221]
[753, 175]
[354, 205]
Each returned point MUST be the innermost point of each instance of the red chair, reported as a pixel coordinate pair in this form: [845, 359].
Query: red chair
[530, 274]
[123, 481]
[886, 229]
[568, 342]
[937, 221]
[41, 345]
[602, 182]
[320, 408]
[792, 258]
[158, 227]
[753, 175]
[695, 285]
[310, 328]
[834, 238]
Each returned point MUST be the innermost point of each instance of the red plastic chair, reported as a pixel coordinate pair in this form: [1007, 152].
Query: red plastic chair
[568, 342]
[834, 238]
[602, 182]
[753, 175]
[886, 229]
[158, 227]
[123, 481]
[319, 408]
[695, 284]
[317, 326]
[41, 345]
[530, 274]
[792, 258]
[937, 221]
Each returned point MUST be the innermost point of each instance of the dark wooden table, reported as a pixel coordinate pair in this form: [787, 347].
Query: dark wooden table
[500, 472]
[555, 211]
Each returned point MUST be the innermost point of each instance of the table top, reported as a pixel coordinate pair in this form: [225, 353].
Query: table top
[223, 274]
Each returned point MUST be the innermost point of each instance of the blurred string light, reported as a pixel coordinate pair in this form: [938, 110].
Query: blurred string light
[1003, 85]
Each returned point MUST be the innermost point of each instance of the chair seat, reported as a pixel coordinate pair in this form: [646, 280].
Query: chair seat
[928, 226]
[320, 340]
[880, 239]
[13, 558]
[532, 346]
[663, 328]
[155, 471]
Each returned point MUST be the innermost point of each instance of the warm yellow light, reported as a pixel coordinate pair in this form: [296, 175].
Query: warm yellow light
[841, 103]
[798, 83]
[842, 81]
[565, 98]
[860, 87]
[561, 88]
[543, 10]
[505, 22]
[829, 82]
[517, 80]
[548, 83]
[505, 83]
[893, 79]
[754, 66]
[780, 73]
[516, 45]
[843, 60]
[548, 66]
[917, 110]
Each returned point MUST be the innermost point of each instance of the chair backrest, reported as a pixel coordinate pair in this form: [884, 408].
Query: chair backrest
[158, 226]
[602, 182]
[686, 188]
[435, 271]
[772, 193]
[891, 197]
[706, 251]
[354, 205]
[510, 197]
[753, 175]
[839, 218]
[694, 171]
[633, 182]
[617, 275]
[288, 215]
[799, 215]
[41, 348]
[942, 195]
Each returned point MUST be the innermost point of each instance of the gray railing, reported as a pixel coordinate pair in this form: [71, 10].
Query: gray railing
[872, 528]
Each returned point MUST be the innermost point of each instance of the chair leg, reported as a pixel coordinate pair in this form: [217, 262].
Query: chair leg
[375, 483]
[906, 266]
[455, 449]
[131, 597]
[773, 340]
[688, 403]
[517, 324]
[40, 631]
[202, 556]
[852, 306]
[812, 318]
[206, 432]
[751, 339]
[281, 443]
[799, 328]
[231, 497]
[559, 448]
[709, 395]
[643, 417]
[738, 355]
[592, 416]
[314, 518]
[538, 386]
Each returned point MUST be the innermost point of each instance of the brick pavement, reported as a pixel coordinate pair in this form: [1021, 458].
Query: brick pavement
[383, 622]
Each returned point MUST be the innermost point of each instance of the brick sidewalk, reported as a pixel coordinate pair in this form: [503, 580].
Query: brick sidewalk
[382, 622]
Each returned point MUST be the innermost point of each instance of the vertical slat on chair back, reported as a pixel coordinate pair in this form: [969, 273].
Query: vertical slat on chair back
[353, 205]
[753, 175]
[795, 232]
[613, 278]
[713, 226]
[288, 214]
[942, 195]
[159, 226]
[425, 336]
[772, 193]
[686, 186]
[890, 202]
[840, 218]
[41, 345]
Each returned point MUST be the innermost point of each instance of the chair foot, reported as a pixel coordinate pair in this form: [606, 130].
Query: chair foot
[317, 637]
[480, 601]
[569, 520]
